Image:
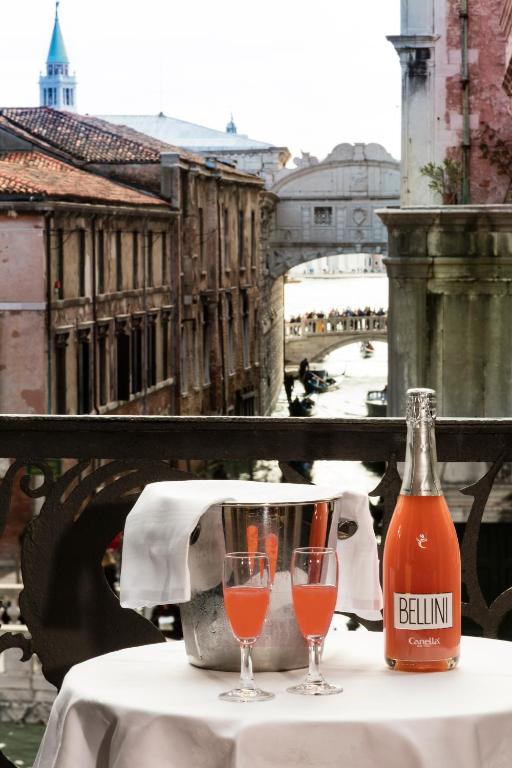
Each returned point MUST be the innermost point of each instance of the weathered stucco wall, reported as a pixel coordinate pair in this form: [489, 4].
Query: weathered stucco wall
[488, 102]
[22, 315]
[435, 122]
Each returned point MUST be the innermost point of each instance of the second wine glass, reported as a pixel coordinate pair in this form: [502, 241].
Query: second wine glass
[314, 591]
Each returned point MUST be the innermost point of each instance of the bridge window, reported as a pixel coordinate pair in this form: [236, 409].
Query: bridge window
[323, 215]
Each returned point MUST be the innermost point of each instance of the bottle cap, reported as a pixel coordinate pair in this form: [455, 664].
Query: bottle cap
[421, 405]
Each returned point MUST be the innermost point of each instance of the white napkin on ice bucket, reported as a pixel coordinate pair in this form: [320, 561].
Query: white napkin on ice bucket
[155, 565]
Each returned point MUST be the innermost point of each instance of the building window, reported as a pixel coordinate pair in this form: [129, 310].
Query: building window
[137, 354]
[81, 262]
[166, 344]
[135, 259]
[61, 343]
[245, 402]
[165, 260]
[226, 243]
[102, 335]
[246, 354]
[200, 234]
[60, 264]
[323, 216]
[195, 354]
[231, 334]
[253, 239]
[101, 260]
[241, 236]
[119, 261]
[207, 345]
[50, 70]
[149, 273]
[122, 362]
[83, 371]
[151, 350]
[184, 361]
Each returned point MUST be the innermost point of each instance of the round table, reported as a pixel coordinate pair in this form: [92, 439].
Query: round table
[147, 706]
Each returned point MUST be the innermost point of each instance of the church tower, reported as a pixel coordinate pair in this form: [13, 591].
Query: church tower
[57, 88]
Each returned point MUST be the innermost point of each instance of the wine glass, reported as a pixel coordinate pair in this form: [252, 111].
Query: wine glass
[246, 586]
[314, 590]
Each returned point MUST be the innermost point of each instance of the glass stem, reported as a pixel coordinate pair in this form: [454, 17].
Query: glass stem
[314, 674]
[246, 675]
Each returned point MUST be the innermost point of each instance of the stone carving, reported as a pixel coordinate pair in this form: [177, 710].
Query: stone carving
[340, 153]
[306, 160]
[359, 180]
[359, 216]
[377, 152]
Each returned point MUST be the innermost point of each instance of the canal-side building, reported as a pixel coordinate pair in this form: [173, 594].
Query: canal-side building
[456, 62]
[83, 328]
[449, 264]
[200, 278]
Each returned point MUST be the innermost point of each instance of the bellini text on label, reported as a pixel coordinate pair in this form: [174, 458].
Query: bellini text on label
[423, 611]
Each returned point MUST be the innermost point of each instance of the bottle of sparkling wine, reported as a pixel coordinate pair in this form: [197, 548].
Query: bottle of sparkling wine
[421, 569]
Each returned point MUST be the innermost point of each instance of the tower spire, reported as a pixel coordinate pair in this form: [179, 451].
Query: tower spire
[231, 127]
[57, 88]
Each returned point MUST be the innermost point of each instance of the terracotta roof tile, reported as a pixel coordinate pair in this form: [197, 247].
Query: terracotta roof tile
[35, 174]
[92, 140]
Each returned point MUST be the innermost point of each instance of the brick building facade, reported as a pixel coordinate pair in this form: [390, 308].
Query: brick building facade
[456, 58]
[132, 278]
[153, 301]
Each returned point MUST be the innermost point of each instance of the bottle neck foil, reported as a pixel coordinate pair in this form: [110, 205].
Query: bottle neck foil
[420, 472]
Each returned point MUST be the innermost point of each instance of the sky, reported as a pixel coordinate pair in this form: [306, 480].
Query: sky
[306, 74]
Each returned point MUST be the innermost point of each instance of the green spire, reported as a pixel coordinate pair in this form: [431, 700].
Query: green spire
[57, 53]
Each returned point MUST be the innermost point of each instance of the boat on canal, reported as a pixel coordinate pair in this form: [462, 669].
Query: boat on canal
[377, 402]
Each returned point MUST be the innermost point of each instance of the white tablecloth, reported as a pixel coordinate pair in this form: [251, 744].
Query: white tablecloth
[148, 707]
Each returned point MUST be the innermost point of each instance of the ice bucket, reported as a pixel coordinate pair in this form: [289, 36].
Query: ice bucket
[276, 529]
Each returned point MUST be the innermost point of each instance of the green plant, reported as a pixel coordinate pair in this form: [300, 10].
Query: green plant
[445, 178]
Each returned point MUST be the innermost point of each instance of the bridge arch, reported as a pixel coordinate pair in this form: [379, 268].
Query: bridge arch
[328, 208]
[317, 338]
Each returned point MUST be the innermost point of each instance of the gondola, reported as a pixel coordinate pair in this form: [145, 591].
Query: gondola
[301, 407]
[367, 349]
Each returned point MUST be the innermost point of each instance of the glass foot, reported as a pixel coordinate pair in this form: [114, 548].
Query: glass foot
[319, 688]
[246, 695]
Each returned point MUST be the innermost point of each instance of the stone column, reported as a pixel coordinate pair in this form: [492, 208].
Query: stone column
[450, 311]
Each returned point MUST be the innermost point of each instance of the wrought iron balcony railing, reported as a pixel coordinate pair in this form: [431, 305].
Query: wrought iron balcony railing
[70, 611]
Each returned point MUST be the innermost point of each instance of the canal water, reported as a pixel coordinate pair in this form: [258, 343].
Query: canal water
[356, 375]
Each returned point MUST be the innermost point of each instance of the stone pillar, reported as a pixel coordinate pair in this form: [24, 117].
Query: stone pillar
[450, 309]
[416, 47]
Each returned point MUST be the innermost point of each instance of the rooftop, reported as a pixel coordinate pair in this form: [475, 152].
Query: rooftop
[33, 174]
[93, 140]
[188, 135]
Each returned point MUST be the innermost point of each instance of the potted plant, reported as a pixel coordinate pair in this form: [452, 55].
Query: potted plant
[444, 179]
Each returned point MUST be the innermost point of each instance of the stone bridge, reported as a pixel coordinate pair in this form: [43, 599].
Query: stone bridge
[328, 208]
[316, 338]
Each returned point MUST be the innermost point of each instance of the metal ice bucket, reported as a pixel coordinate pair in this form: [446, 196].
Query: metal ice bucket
[277, 529]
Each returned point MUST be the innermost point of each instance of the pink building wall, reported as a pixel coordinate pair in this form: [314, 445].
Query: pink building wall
[435, 122]
[489, 103]
[22, 314]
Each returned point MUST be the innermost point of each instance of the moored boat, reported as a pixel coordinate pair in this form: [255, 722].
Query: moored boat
[377, 402]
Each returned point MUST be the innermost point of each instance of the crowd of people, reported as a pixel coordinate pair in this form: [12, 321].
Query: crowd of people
[347, 312]
[322, 322]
